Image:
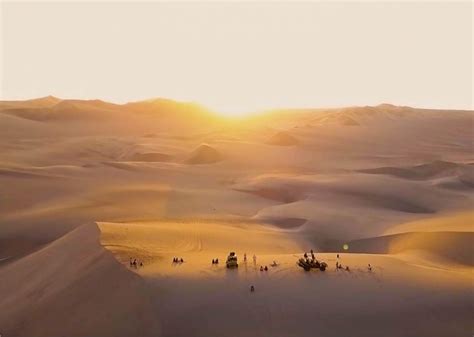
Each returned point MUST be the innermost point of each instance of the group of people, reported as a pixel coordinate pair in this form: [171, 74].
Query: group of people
[262, 268]
[254, 258]
[215, 261]
[178, 260]
[135, 263]
[306, 257]
[340, 266]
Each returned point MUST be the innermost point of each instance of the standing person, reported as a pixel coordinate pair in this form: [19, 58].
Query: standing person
[245, 257]
[254, 259]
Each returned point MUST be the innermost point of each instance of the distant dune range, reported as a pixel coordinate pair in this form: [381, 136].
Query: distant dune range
[88, 184]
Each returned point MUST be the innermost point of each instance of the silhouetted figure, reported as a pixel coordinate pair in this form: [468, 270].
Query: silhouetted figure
[266, 268]
[245, 257]
[337, 255]
[141, 264]
[347, 268]
[252, 289]
[369, 267]
[217, 261]
[261, 268]
[305, 255]
[181, 260]
[254, 259]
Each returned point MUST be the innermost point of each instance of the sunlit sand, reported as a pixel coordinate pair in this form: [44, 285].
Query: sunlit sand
[94, 185]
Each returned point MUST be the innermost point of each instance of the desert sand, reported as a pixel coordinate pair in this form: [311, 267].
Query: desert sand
[87, 185]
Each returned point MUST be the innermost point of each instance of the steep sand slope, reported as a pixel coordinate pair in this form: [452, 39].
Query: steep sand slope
[442, 246]
[441, 240]
[457, 222]
[74, 287]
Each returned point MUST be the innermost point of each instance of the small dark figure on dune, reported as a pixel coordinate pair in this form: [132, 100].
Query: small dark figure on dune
[261, 268]
[369, 267]
[252, 289]
[266, 268]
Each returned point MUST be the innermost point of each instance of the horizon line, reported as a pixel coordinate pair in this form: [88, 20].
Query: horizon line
[203, 105]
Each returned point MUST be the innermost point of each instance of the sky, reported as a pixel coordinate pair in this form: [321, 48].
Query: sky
[237, 57]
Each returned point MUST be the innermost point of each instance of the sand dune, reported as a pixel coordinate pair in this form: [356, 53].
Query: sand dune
[42, 102]
[284, 293]
[455, 247]
[282, 139]
[204, 154]
[444, 239]
[73, 275]
[198, 241]
[165, 178]
[457, 222]
[424, 171]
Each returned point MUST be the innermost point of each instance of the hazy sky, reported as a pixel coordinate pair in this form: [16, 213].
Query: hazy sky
[241, 56]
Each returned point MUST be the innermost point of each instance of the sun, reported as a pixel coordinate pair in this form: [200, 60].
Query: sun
[235, 110]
